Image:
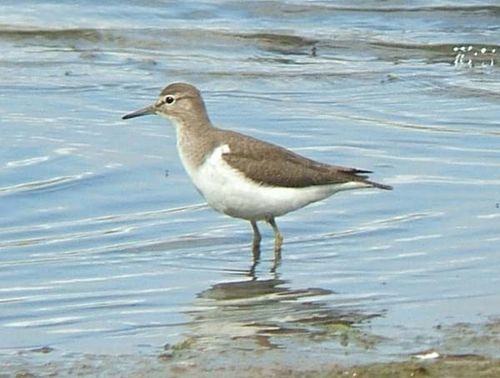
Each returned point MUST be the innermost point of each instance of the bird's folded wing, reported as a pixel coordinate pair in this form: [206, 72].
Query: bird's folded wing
[271, 165]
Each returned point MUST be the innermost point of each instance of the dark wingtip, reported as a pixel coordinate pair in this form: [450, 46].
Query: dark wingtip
[361, 171]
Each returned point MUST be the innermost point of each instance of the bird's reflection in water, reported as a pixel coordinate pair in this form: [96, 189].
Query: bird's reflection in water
[267, 313]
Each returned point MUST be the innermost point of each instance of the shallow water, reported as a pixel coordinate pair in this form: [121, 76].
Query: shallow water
[105, 246]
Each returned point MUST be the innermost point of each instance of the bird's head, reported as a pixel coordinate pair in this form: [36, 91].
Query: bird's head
[179, 102]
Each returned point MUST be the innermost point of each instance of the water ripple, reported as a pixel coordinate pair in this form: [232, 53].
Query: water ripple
[51, 184]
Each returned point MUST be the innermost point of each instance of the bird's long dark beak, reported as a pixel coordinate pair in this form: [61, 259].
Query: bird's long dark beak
[141, 112]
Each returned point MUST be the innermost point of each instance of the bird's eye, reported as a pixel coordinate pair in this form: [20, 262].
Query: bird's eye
[169, 99]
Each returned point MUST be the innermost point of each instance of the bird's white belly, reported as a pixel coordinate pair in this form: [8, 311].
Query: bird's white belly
[229, 192]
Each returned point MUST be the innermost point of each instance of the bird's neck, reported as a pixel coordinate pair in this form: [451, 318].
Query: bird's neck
[195, 140]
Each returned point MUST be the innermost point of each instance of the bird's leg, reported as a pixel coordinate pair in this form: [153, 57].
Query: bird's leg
[256, 241]
[278, 239]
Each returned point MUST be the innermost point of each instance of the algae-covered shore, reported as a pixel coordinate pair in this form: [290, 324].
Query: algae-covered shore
[447, 366]
[464, 351]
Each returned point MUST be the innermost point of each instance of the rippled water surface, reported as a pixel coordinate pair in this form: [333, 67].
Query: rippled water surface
[106, 247]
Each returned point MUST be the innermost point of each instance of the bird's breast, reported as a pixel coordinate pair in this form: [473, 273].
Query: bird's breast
[229, 191]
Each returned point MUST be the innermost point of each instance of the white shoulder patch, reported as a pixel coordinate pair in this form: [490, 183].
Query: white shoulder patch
[217, 153]
[224, 149]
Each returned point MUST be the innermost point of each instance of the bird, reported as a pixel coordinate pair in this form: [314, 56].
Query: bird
[244, 177]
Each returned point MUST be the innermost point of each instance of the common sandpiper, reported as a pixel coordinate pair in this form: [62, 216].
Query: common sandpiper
[242, 176]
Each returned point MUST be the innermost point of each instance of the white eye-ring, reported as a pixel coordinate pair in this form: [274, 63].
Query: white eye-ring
[169, 100]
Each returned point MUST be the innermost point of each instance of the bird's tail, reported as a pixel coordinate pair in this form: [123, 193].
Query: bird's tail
[378, 185]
